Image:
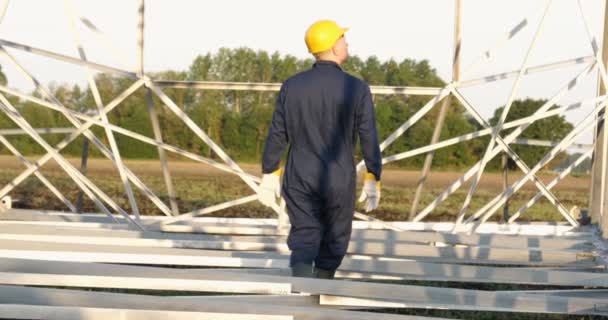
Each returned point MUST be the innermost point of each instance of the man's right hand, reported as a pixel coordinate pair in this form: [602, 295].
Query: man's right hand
[270, 188]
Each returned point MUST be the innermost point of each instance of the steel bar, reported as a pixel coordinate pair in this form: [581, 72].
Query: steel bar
[530, 70]
[490, 53]
[504, 303]
[554, 182]
[359, 237]
[88, 134]
[544, 143]
[505, 183]
[275, 87]
[118, 54]
[411, 121]
[46, 93]
[388, 249]
[597, 195]
[151, 141]
[432, 297]
[83, 169]
[503, 116]
[41, 296]
[92, 120]
[3, 9]
[214, 208]
[560, 147]
[64, 143]
[161, 153]
[530, 231]
[483, 132]
[514, 134]
[104, 118]
[428, 160]
[493, 202]
[14, 132]
[82, 129]
[350, 269]
[242, 254]
[27, 311]
[154, 115]
[204, 137]
[520, 163]
[580, 128]
[65, 58]
[85, 184]
[140, 38]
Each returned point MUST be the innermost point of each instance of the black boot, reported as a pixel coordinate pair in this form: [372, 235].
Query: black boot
[324, 274]
[302, 270]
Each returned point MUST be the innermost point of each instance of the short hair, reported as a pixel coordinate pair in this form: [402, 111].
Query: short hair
[320, 55]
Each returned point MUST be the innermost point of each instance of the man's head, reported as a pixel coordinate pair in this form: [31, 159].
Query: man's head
[325, 40]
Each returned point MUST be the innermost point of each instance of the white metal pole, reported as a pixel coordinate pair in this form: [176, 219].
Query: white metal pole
[89, 135]
[580, 128]
[514, 134]
[501, 120]
[553, 183]
[85, 184]
[28, 164]
[104, 118]
[518, 161]
[484, 132]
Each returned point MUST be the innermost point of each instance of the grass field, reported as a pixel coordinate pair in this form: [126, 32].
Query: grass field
[199, 185]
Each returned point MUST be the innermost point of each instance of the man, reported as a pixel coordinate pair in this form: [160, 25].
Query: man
[320, 113]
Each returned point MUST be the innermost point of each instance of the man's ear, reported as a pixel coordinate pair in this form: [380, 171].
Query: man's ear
[334, 51]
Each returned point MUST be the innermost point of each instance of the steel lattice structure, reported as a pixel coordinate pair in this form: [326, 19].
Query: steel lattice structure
[498, 143]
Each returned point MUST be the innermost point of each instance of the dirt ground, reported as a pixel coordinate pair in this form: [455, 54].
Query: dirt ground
[392, 177]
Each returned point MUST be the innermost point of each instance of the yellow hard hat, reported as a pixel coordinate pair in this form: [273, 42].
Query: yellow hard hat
[322, 35]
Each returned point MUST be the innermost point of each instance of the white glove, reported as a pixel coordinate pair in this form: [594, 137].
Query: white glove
[270, 188]
[370, 192]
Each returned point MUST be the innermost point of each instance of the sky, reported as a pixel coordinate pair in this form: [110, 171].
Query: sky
[179, 30]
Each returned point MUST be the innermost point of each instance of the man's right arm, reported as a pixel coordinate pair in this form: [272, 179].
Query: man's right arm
[277, 136]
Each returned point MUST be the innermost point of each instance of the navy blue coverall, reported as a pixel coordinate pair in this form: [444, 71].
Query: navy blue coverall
[319, 113]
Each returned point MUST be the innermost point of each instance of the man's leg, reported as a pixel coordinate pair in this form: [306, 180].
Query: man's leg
[305, 234]
[337, 220]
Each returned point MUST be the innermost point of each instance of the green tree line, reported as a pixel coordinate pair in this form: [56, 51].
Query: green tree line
[238, 120]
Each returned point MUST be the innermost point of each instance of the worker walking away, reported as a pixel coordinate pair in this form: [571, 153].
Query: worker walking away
[320, 113]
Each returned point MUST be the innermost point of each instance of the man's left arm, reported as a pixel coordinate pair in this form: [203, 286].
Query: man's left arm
[368, 135]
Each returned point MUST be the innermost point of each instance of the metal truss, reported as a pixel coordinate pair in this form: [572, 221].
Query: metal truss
[498, 144]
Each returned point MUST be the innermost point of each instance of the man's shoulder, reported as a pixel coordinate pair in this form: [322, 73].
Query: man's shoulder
[308, 76]
[358, 82]
[300, 76]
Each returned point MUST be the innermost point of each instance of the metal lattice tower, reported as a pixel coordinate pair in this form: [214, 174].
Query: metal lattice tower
[498, 144]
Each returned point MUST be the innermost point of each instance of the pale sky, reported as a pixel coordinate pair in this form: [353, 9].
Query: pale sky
[177, 31]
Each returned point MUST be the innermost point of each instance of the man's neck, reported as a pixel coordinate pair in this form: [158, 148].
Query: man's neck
[330, 59]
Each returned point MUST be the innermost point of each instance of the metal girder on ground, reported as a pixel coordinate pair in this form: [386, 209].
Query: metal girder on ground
[432, 297]
[551, 230]
[360, 236]
[350, 268]
[90, 275]
[42, 296]
[28, 311]
[91, 247]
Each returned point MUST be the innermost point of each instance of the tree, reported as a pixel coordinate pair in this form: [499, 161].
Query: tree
[238, 120]
[553, 128]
